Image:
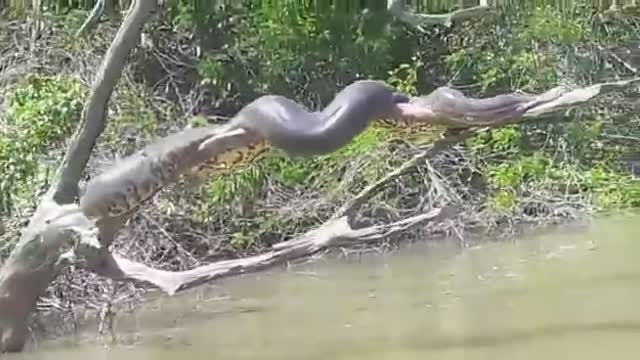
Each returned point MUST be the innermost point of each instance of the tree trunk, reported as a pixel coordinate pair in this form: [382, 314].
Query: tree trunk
[36, 260]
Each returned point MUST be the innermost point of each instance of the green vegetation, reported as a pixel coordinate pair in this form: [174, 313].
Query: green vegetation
[42, 111]
[199, 64]
[308, 53]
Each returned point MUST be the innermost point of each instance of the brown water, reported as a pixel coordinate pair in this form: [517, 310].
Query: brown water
[562, 295]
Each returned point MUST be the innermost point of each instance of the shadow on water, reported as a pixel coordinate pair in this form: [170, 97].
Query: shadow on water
[558, 295]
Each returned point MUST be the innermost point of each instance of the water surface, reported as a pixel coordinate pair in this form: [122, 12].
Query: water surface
[561, 295]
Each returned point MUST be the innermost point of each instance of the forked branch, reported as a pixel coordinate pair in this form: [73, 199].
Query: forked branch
[454, 110]
[42, 249]
[443, 107]
[397, 9]
[334, 233]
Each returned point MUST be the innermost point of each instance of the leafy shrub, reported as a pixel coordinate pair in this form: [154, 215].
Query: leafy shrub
[41, 113]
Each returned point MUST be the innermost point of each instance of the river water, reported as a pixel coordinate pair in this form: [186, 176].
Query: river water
[566, 294]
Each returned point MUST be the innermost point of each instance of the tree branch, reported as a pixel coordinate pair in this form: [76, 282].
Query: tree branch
[97, 10]
[397, 9]
[444, 107]
[65, 186]
[334, 233]
[365, 194]
[452, 109]
[110, 197]
[40, 254]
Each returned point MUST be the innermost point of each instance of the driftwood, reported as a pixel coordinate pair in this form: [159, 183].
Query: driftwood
[62, 232]
[333, 233]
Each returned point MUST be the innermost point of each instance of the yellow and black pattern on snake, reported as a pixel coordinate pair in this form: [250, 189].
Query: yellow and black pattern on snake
[273, 121]
[231, 160]
[136, 178]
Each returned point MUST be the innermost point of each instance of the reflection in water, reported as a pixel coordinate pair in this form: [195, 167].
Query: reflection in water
[558, 296]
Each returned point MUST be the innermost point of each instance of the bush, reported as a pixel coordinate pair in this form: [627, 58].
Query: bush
[42, 111]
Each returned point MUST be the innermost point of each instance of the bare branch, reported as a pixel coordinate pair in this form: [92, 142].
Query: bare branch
[397, 9]
[96, 12]
[451, 108]
[351, 206]
[65, 187]
[334, 233]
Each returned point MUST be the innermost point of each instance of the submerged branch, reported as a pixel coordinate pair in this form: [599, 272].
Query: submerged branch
[334, 233]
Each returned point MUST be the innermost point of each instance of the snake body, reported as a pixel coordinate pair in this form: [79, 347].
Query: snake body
[290, 127]
[455, 106]
[276, 121]
[270, 120]
[139, 176]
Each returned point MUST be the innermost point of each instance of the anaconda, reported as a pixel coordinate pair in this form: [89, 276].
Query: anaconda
[270, 120]
[456, 109]
[276, 121]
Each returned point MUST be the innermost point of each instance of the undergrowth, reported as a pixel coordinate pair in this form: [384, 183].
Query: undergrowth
[562, 167]
[42, 111]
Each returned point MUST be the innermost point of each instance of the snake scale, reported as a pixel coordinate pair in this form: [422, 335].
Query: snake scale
[277, 121]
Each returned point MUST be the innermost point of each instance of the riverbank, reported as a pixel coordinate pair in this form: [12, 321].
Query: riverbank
[432, 284]
[567, 168]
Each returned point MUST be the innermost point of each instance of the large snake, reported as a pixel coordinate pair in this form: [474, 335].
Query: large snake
[277, 121]
[271, 120]
[456, 109]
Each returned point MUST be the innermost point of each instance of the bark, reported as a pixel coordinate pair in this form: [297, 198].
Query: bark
[397, 9]
[334, 233]
[57, 233]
